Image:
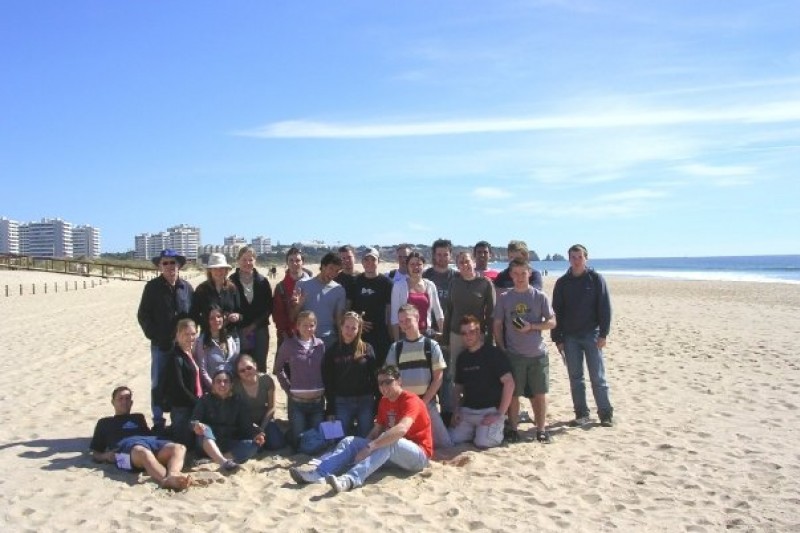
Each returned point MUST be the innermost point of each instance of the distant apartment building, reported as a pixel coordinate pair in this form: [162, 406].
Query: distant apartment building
[230, 250]
[182, 238]
[234, 240]
[85, 241]
[9, 236]
[262, 245]
[50, 237]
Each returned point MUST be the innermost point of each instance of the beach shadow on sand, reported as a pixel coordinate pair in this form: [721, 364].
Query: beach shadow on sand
[60, 454]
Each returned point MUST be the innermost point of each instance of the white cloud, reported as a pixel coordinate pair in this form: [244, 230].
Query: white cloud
[716, 171]
[775, 112]
[490, 193]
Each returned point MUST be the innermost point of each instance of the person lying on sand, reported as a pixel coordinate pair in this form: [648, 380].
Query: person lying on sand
[125, 440]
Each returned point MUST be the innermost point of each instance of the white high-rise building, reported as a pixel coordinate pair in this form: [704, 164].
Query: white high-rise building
[50, 237]
[183, 238]
[9, 236]
[262, 245]
[234, 240]
[85, 241]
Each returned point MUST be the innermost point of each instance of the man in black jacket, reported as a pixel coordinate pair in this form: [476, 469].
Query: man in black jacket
[165, 300]
[583, 318]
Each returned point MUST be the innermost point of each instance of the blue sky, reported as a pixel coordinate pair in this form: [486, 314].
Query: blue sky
[661, 128]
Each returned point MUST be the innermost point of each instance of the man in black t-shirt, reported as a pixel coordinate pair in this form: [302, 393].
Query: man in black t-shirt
[125, 440]
[482, 389]
[372, 296]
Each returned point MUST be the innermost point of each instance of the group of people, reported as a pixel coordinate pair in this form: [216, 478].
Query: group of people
[406, 362]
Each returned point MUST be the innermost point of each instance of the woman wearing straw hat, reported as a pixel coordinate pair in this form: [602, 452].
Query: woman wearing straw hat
[219, 290]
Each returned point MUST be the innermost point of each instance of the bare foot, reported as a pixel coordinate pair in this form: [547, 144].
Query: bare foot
[176, 482]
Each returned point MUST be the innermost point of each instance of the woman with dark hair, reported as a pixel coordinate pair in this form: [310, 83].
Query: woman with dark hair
[419, 292]
[348, 372]
[216, 348]
[222, 425]
[258, 392]
[255, 298]
[217, 289]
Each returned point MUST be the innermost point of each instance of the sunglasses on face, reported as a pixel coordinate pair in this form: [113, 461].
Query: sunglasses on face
[246, 369]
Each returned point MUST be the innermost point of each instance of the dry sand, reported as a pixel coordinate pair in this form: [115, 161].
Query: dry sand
[704, 379]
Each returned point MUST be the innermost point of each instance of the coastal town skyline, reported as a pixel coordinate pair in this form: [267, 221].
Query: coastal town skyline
[656, 129]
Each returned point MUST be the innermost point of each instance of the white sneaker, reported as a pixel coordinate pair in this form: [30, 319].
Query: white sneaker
[339, 483]
[306, 476]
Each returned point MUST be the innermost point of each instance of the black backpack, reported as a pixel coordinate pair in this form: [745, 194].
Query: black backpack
[427, 347]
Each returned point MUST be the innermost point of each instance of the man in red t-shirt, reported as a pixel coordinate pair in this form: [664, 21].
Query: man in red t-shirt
[401, 436]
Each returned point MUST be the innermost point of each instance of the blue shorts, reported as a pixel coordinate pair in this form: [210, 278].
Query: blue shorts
[154, 444]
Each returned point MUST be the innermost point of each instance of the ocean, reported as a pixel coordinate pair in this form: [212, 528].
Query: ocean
[755, 268]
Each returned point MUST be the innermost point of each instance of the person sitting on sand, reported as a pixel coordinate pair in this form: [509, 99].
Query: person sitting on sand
[258, 391]
[221, 422]
[125, 440]
[216, 347]
[401, 436]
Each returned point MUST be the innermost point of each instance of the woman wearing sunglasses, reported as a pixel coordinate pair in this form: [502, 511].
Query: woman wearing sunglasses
[258, 392]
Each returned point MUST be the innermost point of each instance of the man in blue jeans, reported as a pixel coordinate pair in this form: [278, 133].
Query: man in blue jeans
[165, 300]
[583, 312]
[401, 436]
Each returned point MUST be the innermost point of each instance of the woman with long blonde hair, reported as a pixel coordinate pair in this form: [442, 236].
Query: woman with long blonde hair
[348, 372]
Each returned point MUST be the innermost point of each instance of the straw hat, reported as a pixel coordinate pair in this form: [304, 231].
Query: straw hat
[217, 260]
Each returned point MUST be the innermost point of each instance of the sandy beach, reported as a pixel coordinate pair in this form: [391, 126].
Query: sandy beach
[705, 381]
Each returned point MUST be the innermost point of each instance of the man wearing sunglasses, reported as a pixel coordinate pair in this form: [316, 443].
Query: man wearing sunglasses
[165, 300]
[401, 436]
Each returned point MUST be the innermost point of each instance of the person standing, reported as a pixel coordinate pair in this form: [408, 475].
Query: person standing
[219, 290]
[582, 305]
[324, 297]
[165, 300]
[482, 252]
[470, 294]
[255, 297]
[284, 290]
[441, 275]
[520, 316]
[347, 277]
[371, 299]
[503, 281]
[401, 272]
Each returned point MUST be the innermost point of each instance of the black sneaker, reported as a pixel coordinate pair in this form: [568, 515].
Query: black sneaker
[607, 422]
[580, 421]
[510, 436]
[543, 436]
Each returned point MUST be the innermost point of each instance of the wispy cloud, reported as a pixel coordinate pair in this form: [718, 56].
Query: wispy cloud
[717, 171]
[490, 193]
[785, 111]
[624, 204]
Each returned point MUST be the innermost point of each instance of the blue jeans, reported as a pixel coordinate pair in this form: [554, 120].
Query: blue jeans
[576, 347]
[257, 345]
[240, 449]
[359, 409]
[303, 416]
[274, 437]
[158, 362]
[445, 393]
[403, 454]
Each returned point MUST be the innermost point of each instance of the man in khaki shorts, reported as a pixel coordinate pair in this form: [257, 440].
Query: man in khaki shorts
[520, 316]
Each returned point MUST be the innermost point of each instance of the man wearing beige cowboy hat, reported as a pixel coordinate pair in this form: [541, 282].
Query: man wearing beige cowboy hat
[219, 290]
[165, 300]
